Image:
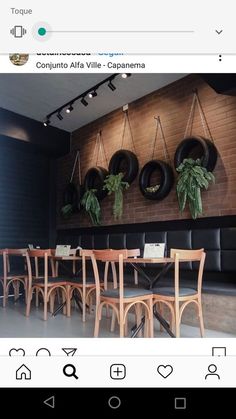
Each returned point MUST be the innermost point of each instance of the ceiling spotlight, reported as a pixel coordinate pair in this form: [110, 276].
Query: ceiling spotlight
[125, 75]
[92, 94]
[84, 102]
[59, 115]
[46, 123]
[111, 86]
[69, 109]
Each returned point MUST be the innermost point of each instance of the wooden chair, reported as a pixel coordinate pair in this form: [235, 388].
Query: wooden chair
[45, 285]
[132, 253]
[10, 277]
[85, 286]
[121, 299]
[177, 298]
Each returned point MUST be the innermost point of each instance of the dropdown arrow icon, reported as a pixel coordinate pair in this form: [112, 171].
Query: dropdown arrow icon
[219, 32]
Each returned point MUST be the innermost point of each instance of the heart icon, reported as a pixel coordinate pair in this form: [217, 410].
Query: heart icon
[165, 370]
[17, 352]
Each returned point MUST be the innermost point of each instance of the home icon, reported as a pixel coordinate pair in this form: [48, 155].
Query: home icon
[23, 373]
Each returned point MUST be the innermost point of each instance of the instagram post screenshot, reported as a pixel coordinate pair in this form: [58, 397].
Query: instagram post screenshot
[118, 206]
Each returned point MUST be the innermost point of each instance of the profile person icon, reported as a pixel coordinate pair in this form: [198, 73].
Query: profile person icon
[212, 372]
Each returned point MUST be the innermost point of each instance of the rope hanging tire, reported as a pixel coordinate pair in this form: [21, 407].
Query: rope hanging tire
[73, 192]
[197, 147]
[165, 183]
[125, 161]
[95, 176]
[72, 195]
[166, 175]
[94, 179]
[206, 151]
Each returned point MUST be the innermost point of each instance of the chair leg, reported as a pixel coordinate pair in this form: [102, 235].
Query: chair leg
[172, 322]
[52, 302]
[68, 300]
[45, 306]
[28, 303]
[37, 298]
[139, 317]
[177, 320]
[126, 329]
[84, 304]
[113, 321]
[4, 299]
[150, 322]
[97, 322]
[202, 329]
[122, 329]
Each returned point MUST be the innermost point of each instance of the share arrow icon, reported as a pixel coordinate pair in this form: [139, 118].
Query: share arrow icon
[69, 351]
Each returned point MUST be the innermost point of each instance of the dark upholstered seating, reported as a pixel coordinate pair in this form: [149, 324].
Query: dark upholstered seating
[217, 235]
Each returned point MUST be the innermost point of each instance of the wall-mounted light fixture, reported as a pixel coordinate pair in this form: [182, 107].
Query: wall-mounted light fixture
[90, 93]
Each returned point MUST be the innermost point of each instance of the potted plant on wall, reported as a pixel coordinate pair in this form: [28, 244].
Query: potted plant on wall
[193, 177]
[92, 206]
[115, 184]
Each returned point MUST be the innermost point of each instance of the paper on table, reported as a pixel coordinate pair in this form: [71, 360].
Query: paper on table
[63, 250]
[154, 250]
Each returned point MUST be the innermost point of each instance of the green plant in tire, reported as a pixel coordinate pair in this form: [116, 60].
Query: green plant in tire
[115, 184]
[193, 177]
[67, 211]
[92, 206]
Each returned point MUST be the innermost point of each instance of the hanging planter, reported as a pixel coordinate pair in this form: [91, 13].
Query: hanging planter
[73, 193]
[125, 161]
[96, 175]
[197, 147]
[115, 184]
[91, 205]
[193, 177]
[162, 188]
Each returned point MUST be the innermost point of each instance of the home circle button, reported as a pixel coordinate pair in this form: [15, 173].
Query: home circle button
[114, 402]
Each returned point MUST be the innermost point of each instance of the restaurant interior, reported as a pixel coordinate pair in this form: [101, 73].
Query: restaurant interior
[118, 205]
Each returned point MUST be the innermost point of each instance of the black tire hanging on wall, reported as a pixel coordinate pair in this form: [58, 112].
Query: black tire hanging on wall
[131, 163]
[72, 196]
[166, 179]
[208, 151]
[94, 179]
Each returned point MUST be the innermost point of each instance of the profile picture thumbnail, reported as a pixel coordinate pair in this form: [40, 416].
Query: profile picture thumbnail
[18, 59]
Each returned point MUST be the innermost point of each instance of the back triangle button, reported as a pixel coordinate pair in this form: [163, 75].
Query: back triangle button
[50, 402]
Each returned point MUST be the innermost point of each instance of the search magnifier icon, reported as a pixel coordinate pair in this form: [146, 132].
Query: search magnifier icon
[69, 370]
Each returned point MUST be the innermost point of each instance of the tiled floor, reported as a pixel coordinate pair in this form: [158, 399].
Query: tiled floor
[13, 323]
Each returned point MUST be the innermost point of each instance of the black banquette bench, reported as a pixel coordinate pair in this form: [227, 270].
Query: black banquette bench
[217, 235]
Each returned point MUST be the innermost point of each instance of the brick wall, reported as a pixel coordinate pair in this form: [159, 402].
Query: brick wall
[172, 103]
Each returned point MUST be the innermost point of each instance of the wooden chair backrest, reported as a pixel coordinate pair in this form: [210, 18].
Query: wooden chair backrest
[7, 254]
[188, 255]
[133, 253]
[36, 254]
[15, 252]
[110, 255]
